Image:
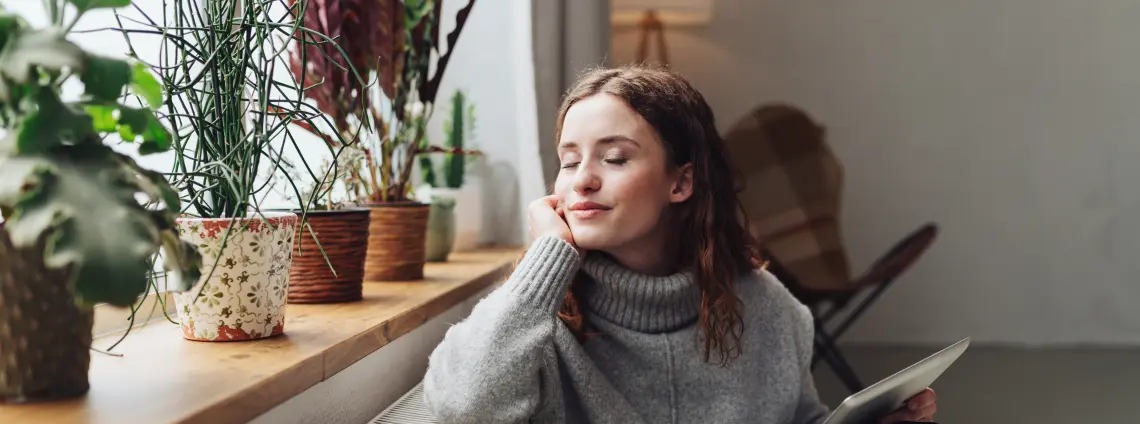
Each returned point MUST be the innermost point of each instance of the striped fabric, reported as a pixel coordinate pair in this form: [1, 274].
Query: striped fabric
[792, 194]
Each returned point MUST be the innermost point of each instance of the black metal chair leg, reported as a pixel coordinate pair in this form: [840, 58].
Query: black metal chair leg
[834, 357]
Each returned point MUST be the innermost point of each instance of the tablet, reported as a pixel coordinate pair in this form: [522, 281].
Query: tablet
[882, 398]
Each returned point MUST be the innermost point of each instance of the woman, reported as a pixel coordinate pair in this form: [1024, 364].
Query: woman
[639, 299]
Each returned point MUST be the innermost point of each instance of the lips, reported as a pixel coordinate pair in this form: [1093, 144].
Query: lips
[588, 210]
[586, 206]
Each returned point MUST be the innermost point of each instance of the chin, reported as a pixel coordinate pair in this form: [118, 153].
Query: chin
[589, 237]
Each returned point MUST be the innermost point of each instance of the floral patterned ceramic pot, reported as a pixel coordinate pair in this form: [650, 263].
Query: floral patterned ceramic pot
[243, 298]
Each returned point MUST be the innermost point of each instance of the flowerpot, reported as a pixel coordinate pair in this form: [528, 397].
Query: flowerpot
[44, 336]
[396, 241]
[441, 225]
[468, 216]
[343, 237]
[242, 297]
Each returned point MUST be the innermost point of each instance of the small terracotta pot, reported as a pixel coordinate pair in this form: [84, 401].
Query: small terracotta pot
[396, 241]
[243, 298]
[343, 236]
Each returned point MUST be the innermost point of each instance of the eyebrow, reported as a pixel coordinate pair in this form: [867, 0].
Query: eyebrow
[610, 139]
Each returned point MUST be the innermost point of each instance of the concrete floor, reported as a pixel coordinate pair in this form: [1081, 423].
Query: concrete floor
[1004, 385]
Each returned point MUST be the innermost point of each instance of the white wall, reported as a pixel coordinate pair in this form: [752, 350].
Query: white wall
[1012, 123]
[492, 64]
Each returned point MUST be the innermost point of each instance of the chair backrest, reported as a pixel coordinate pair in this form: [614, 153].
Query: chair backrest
[792, 193]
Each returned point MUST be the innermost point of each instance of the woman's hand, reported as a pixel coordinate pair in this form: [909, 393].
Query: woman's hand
[548, 219]
[919, 408]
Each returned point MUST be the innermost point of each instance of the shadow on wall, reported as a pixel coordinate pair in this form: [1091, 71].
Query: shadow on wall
[500, 182]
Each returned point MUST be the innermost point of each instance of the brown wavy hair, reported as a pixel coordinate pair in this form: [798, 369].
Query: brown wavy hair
[713, 234]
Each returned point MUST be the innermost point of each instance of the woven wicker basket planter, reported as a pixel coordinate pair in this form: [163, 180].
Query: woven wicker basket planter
[44, 337]
[343, 234]
[396, 241]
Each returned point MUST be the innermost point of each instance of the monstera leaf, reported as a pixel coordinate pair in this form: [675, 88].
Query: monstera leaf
[84, 203]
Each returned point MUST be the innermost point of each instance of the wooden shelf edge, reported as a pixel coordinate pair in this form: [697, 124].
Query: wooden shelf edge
[237, 382]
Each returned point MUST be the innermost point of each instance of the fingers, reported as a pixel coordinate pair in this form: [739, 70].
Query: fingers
[926, 398]
[919, 408]
[552, 201]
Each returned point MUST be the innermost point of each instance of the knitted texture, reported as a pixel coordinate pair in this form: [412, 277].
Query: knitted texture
[512, 360]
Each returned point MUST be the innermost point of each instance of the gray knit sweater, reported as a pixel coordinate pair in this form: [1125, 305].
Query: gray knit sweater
[512, 360]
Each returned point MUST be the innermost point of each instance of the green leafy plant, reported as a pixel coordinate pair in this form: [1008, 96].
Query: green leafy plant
[392, 42]
[59, 180]
[458, 127]
[231, 108]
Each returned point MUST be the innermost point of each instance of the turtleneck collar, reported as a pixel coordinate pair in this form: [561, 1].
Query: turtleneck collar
[639, 302]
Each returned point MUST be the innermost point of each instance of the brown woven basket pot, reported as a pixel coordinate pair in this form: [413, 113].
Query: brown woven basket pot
[44, 337]
[343, 234]
[397, 241]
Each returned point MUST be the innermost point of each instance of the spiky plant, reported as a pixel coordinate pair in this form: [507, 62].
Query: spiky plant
[60, 181]
[231, 109]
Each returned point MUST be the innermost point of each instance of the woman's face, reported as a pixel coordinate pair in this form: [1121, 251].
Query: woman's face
[614, 184]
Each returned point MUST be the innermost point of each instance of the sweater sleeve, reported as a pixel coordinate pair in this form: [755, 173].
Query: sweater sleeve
[497, 364]
[810, 410]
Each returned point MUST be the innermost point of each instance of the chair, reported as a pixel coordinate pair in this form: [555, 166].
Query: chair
[792, 201]
[828, 306]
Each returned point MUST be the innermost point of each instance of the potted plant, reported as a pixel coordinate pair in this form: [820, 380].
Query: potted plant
[74, 230]
[443, 195]
[393, 42]
[328, 259]
[232, 114]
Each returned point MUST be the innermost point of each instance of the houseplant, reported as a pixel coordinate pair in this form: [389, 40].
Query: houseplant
[392, 42]
[74, 232]
[328, 259]
[232, 114]
[458, 127]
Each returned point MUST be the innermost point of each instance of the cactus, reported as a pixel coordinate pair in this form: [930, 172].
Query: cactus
[458, 128]
[59, 182]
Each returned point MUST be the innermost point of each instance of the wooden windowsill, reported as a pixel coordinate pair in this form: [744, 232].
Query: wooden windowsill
[163, 378]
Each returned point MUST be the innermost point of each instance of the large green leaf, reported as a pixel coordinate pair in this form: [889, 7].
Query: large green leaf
[142, 123]
[50, 124]
[144, 84]
[104, 78]
[84, 202]
[131, 124]
[96, 4]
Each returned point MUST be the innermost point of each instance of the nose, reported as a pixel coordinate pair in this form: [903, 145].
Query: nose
[586, 180]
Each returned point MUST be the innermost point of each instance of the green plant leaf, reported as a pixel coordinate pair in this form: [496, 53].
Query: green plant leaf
[84, 202]
[104, 78]
[141, 122]
[103, 117]
[97, 4]
[145, 85]
[8, 25]
[50, 124]
[415, 10]
[131, 123]
[45, 49]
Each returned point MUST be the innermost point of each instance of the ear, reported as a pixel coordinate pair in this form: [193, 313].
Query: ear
[682, 188]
